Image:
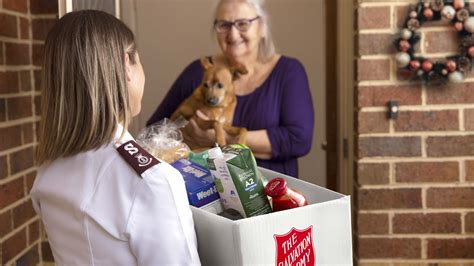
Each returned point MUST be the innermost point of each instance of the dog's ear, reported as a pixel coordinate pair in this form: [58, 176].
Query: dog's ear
[237, 71]
[206, 62]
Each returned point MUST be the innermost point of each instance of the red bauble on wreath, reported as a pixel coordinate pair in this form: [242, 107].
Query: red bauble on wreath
[452, 69]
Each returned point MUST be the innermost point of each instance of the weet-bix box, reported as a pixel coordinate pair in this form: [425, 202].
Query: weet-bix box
[199, 183]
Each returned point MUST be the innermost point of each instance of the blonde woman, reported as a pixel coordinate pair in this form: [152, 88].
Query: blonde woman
[101, 198]
[273, 98]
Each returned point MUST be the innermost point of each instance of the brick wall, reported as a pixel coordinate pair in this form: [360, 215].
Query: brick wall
[23, 27]
[415, 175]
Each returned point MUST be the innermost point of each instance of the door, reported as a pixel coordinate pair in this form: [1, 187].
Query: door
[172, 33]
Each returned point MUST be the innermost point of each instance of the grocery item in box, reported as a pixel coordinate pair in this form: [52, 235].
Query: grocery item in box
[238, 180]
[283, 197]
[213, 207]
[199, 182]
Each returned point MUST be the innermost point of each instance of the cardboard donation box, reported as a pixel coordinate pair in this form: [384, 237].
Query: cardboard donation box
[317, 234]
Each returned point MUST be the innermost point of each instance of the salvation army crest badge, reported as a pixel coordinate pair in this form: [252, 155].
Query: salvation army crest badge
[295, 248]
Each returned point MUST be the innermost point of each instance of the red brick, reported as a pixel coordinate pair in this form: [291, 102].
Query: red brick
[469, 119]
[11, 192]
[372, 122]
[30, 179]
[43, 7]
[375, 44]
[34, 231]
[28, 133]
[38, 105]
[385, 199]
[8, 25]
[23, 213]
[13, 246]
[441, 42]
[389, 147]
[470, 222]
[450, 146]
[372, 173]
[3, 167]
[29, 258]
[19, 107]
[3, 110]
[37, 77]
[37, 126]
[427, 121]
[10, 136]
[415, 172]
[46, 252]
[372, 224]
[25, 80]
[373, 18]
[16, 5]
[24, 28]
[9, 82]
[451, 248]
[431, 223]
[470, 171]
[38, 54]
[41, 27]
[1, 53]
[21, 160]
[371, 248]
[17, 53]
[451, 94]
[401, 16]
[5, 223]
[456, 197]
[373, 69]
[380, 95]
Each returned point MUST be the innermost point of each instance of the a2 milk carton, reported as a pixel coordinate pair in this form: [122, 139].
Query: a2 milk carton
[238, 180]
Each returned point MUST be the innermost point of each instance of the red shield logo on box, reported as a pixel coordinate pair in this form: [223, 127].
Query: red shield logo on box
[295, 248]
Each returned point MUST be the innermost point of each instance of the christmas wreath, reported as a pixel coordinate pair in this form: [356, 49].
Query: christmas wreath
[452, 69]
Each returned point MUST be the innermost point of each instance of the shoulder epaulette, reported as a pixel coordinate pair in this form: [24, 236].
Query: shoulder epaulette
[137, 157]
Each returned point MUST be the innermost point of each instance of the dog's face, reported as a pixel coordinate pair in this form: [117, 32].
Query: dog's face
[217, 81]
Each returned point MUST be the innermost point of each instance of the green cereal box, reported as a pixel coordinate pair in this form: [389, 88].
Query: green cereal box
[238, 180]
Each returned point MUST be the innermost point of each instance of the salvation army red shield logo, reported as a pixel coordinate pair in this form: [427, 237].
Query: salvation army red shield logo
[295, 248]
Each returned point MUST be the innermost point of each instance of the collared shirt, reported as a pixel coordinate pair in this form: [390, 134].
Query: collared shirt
[98, 211]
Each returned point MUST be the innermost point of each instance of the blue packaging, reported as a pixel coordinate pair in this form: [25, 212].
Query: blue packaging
[199, 182]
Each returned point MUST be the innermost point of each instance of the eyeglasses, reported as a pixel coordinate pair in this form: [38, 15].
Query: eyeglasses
[243, 25]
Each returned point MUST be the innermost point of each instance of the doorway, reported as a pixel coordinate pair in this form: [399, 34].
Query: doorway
[171, 34]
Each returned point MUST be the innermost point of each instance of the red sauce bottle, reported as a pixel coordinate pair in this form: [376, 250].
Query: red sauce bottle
[283, 197]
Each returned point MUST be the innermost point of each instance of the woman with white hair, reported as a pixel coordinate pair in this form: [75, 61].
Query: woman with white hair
[273, 99]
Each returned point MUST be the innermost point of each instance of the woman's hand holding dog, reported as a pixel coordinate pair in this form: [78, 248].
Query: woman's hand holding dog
[196, 137]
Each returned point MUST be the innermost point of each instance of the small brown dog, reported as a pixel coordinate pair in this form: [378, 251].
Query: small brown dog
[215, 98]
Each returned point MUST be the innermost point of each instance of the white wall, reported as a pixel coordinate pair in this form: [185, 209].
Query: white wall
[172, 33]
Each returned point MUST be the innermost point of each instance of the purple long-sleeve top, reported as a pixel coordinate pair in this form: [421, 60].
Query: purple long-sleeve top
[282, 105]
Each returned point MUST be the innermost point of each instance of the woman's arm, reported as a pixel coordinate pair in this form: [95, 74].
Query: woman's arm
[160, 227]
[293, 136]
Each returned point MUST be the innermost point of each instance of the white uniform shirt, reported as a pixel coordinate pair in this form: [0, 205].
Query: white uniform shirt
[98, 211]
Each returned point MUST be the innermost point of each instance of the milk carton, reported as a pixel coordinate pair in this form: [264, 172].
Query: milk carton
[238, 180]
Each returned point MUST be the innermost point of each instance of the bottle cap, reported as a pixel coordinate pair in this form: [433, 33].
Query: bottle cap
[276, 187]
